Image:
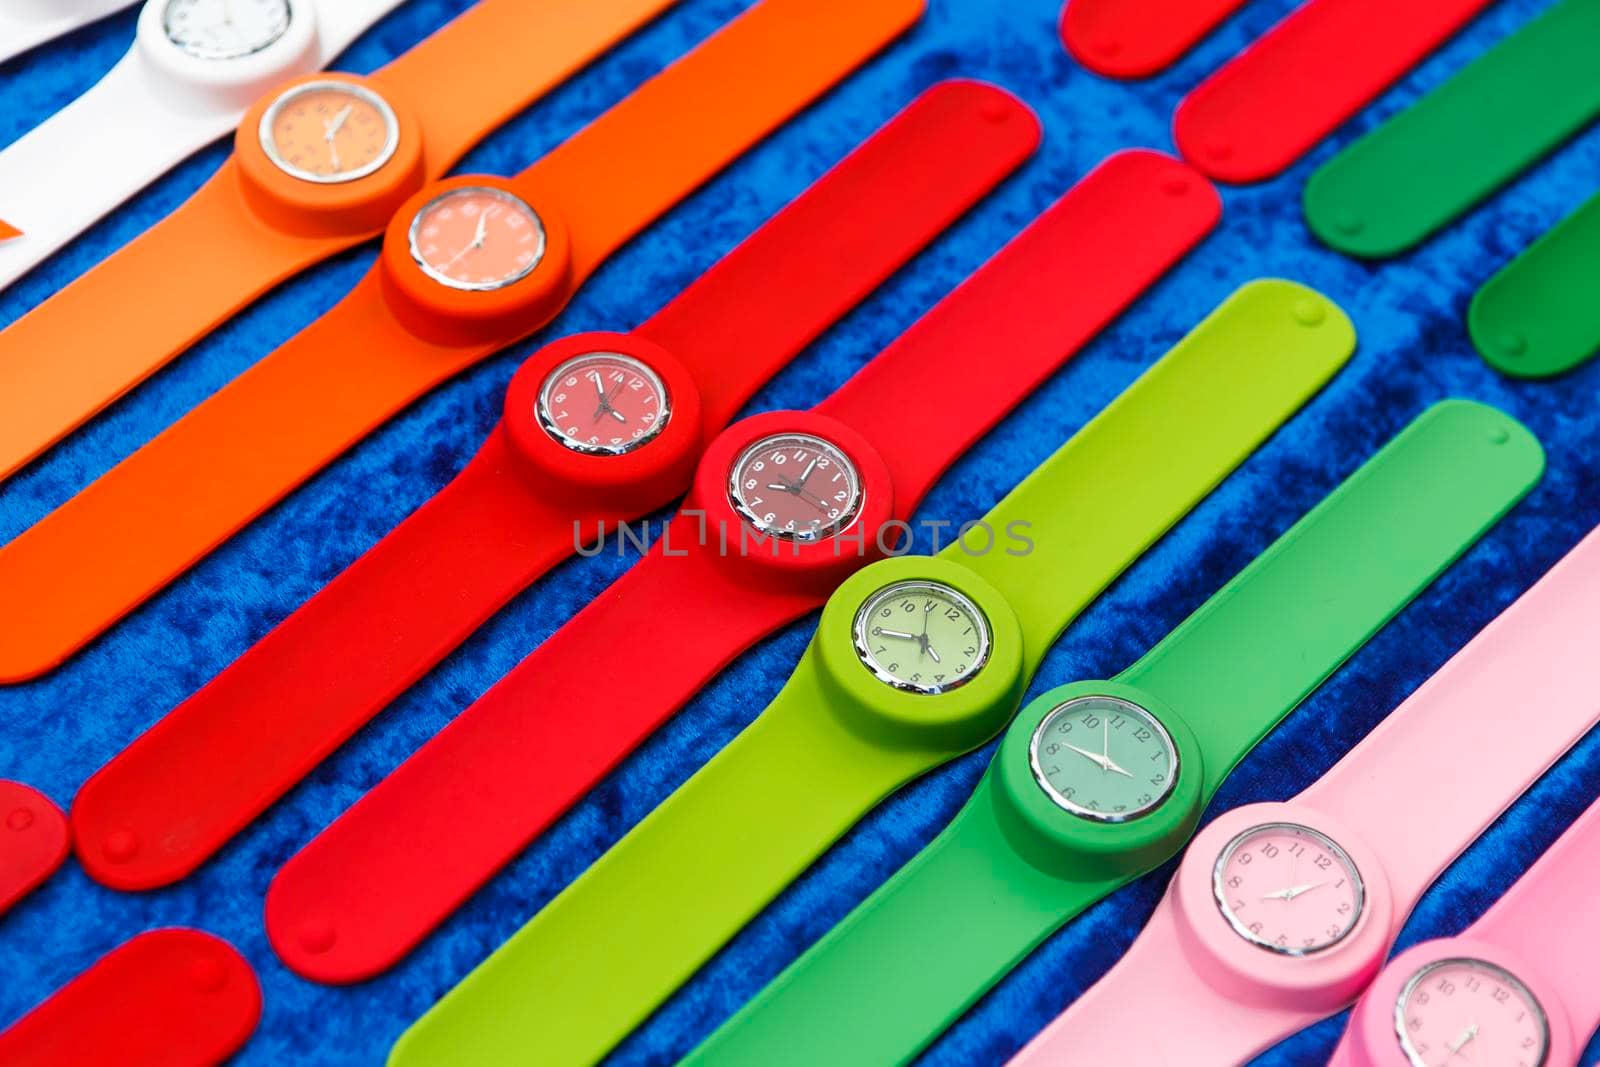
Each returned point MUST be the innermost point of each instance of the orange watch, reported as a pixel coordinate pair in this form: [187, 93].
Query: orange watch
[469, 265]
[319, 165]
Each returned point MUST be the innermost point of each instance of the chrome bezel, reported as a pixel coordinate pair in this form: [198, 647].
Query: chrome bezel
[1219, 893]
[223, 55]
[269, 143]
[847, 517]
[1502, 975]
[897, 589]
[1077, 809]
[552, 429]
[477, 287]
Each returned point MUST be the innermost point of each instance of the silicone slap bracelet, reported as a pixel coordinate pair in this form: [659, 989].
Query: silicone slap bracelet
[319, 166]
[1138, 38]
[504, 769]
[186, 81]
[469, 265]
[1431, 163]
[33, 841]
[1097, 783]
[1538, 316]
[26, 24]
[1274, 101]
[1517, 987]
[1384, 821]
[642, 418]
[167, 998]
[915, 661]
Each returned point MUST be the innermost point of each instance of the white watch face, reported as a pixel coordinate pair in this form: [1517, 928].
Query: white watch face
[329, 132]
[1467, 1011]
[225, 29]
[923, 637]
[1288, 889]
[603, 404]
[1104, 759]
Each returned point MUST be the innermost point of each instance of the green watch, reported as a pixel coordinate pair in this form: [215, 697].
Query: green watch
[880, 698]
[1538, 317]
[1431, 163]
[1097, 783]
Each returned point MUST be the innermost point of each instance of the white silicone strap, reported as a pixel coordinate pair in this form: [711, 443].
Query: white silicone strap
[73, 169]
[26, 24]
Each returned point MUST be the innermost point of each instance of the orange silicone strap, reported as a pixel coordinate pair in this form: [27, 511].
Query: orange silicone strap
[152, 516]
[216, 254]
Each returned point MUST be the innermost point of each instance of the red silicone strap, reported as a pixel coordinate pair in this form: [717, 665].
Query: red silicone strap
[1137, 38]
[33, 841]
[468, 801]
[167, 998]
[1274, 101]
[826, 252]
[261, 725]
[1125, 223]
[1549, 917]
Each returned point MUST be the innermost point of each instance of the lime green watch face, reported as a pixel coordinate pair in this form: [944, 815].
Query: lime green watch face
[1104, 759]
[922, 636]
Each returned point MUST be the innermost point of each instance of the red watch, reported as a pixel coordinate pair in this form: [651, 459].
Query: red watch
[33, 841]
[598, 429]
[784, 507]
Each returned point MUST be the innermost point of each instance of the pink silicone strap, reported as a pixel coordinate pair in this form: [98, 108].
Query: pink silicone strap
[1550, 917]
[1112, 1022]
[1497, 715]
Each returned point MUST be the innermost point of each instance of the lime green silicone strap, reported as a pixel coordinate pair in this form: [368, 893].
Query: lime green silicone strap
[1432, 162]
[910, 960]
[1251, 653]
[607, 951]
[1539, 316]
[1279, 342]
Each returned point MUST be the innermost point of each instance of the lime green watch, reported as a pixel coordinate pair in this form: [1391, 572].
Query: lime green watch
[916, 660]
[1097, 783]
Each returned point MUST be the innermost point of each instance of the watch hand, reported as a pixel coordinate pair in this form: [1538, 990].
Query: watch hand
[1093, 757]
[332, 129]
[615, 414]
[1116, 768]
[482, 232]
[1293, 891]
[930, 650]
[806, 477]
[893, 633]
[1466, 1038]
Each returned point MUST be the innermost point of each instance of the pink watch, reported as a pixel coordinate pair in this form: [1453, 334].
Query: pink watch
[1282, 914]
[1519, 987]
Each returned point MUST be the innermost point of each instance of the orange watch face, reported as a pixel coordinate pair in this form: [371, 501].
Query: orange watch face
[477, 238]
[329, 132]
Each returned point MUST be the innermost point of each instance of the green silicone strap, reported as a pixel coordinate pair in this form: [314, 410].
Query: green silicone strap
[1251, 653]
[1279, 341]
[1432, 162]
[910, 960]
[904, 965]
[606, 952]
[1539, 317]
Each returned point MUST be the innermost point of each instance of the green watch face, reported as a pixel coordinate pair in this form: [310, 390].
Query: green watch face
[922, 636]
[1103, 758]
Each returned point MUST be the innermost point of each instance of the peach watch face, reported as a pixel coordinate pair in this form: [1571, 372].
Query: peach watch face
[329, 131]
[1467, 1011]
[477, 238]
[1288, 889]
[603, 403]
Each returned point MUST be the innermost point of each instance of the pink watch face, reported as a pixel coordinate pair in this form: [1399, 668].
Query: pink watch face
[603, 403]
[477, 238]
[1288, 889]
[796, 487]
[1453, 1013]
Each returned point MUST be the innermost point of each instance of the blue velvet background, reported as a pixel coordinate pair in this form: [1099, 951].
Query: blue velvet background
[1414, 350]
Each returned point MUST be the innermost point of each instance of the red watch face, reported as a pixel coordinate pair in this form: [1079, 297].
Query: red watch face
[477, 238]
[795, 486]
[603, 403]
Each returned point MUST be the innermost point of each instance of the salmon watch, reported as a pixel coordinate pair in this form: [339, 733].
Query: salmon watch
[597, 429]
[445, 294]
[321, 163]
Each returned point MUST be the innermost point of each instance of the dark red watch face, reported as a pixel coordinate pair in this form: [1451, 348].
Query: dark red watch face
[603, 403]
[795, 486]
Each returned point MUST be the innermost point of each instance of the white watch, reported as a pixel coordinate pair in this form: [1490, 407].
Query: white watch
[194, 68]
[26, 24]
